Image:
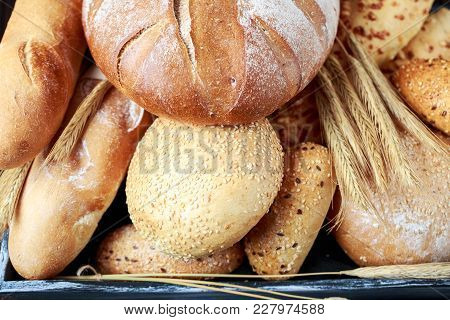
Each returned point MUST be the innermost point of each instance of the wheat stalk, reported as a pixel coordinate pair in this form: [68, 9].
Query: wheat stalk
[363, 121]
[408, 120]
[11, 183]
[418, 271]
[68, 139]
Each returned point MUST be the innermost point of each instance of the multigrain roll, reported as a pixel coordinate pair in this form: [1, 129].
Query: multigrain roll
[425, 85]
[40, 53]
[283, 238]
[415, 227]
[385, 27]
[433, 40]
[210, 62]
[62, 203]
[125, 251]
[195, 190]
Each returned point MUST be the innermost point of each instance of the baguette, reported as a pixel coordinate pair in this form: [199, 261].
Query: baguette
[62, 203]
[40, 54]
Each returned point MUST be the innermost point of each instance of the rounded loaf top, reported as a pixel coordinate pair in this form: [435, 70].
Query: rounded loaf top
[210, 62]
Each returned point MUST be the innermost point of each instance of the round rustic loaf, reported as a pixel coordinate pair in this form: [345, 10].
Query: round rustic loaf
[385, 27]
[125, 251]
[193, 190]
[210, 62]
[283, 238]
[425, 85]
[416, 224]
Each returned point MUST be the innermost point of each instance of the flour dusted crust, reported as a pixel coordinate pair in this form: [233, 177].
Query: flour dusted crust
[210, 62]
[125, 251]
[416, 226]
[62, 203]
[384, 27]
[194, 190]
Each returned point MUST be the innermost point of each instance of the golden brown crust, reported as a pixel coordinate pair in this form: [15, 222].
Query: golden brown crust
[210, 62]
[126, 251]
[40, 56]
[384, 27]
[425, 85]
[62, 203]
[194, 190]
[416, 227]
[282, 239]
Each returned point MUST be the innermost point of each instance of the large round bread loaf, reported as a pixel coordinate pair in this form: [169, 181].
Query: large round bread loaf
[416, 223]
[210, 62]
[62, 203]
[194, 190]
[40, 56]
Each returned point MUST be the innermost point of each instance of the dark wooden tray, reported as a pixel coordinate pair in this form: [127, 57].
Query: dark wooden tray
[325, 256]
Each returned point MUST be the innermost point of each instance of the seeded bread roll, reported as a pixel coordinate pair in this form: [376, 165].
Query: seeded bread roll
[62, 203]
[425, 85]
[126, 251]
[416, 227]
[298, 121]
[40, 54]
[282, 239]
[195, 190]
[433, 40]
[210, 62]
[385, 27]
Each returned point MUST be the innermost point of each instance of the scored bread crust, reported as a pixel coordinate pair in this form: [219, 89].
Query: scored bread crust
[283, 238]
[40, 53]
[210, 62]
[194, 190]
[62, 203]
[416, 223]
[125, 251]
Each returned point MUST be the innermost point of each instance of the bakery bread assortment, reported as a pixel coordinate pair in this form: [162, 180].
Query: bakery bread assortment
[236, 164]
[125, 251]
[385, 27]
[62, 203]
[194, 190]
[40, 53]
[282, 239]
[414, 225]
[210, 62]
[425, 85]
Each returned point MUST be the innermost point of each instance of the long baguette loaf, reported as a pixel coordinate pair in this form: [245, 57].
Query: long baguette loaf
[61, 204]
[40, 56]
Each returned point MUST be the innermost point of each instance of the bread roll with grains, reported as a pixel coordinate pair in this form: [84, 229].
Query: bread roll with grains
[195, 190]
[62, 203]
[40, 53]
[125, 251]
[283, 238]
[433, 40]
[210, 62]
[385, 27]
[416, 226]
[425, 85]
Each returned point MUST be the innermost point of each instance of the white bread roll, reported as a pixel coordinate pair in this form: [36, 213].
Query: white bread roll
[283, 238]
[194, 190]
[61, 204]
[416, 227]
[125, 251]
